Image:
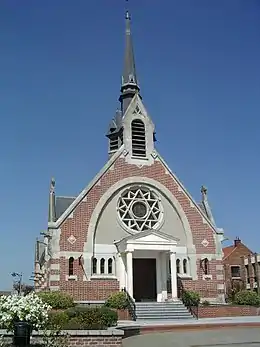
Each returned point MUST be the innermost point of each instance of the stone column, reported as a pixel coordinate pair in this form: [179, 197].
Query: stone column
[129, 267]
[257, 274]
[251, 272]
[173, 275]
[164, 275]
[121, 270]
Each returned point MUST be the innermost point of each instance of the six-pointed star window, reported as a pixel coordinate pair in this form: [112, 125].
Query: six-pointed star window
[140, 209]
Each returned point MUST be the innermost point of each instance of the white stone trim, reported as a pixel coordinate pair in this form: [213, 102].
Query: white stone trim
[84, 192]
[219, 267]
[71, 277]
[69, 254]
[187, 193]
[55, 277]
[54, 288]
[130, 181]
[55, 267]
[220, 277]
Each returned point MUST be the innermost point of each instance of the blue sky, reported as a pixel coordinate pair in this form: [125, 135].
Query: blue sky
[61, 62]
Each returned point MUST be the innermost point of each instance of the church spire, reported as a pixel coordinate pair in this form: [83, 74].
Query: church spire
[129, 86]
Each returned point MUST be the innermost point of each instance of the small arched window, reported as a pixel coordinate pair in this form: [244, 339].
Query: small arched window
[138, 138]
[206, 266]
[178, 269]
[184, 266]
[71, 266]
[94, 265]
[102, 266]
[110, 266]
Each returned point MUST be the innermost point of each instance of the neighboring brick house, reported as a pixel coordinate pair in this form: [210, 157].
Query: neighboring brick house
[232, 258]
[135, 225]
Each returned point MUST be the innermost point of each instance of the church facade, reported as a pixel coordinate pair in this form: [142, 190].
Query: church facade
[134, 226]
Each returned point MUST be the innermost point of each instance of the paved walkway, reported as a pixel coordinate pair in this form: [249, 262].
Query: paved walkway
[242, 337]
[191, 322]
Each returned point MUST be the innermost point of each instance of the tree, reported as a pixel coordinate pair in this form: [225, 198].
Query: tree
[25, 288]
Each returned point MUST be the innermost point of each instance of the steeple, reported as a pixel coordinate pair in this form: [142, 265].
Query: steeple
[52, 208]
[129, 85]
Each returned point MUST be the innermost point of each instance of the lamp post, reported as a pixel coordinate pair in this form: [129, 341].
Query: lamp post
[19, 282]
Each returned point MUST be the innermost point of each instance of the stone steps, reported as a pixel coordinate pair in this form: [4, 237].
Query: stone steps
[162, 311]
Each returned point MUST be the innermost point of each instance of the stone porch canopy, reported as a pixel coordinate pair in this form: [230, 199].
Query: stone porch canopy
[149, 240]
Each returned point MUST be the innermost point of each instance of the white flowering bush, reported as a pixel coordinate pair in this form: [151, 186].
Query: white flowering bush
[29, 308]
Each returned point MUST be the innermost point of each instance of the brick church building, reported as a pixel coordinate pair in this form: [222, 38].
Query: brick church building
[134, 226]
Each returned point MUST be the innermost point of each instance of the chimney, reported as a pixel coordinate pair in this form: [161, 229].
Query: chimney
[237, 241]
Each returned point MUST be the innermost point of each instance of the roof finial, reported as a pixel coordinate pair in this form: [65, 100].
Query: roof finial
[52, 187]
[52, 208]
[204, 192]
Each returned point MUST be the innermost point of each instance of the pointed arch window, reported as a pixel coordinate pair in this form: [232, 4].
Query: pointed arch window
[110, 266]
[206, 266]
[94, 266]
[71, 266]
[184, 266]
[138, 138]
[102, 266]
[178, 268]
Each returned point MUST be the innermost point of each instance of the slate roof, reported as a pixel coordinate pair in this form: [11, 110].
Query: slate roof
[62, 203]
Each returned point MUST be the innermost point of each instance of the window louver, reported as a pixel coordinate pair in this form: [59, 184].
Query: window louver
[138, 138]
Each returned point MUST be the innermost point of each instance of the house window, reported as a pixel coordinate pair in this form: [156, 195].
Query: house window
[102, 266]
[206, 266]
[94, 265]
[235, 271]
[138, 138]
[185, 266]
[178, 266]
[110, 266]
[71, 265]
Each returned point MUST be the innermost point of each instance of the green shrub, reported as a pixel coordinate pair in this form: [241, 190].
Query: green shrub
[246, 297]
[57, 319]
[57, 300]
[117, 301]
[190, 298]
[90, 318]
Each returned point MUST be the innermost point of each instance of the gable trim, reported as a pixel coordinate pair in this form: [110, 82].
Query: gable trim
[186, 193]
[85, 191]
[134, 180]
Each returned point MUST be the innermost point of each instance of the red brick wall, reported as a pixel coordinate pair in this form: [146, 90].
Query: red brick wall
[234, 258]
[79, 223]
[76, 339]
[227, 311]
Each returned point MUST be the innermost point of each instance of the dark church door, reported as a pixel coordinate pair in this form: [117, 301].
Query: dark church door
[144, 279]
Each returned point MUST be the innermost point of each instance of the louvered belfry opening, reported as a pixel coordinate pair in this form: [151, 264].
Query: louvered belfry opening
[138, 138]
[114, 143]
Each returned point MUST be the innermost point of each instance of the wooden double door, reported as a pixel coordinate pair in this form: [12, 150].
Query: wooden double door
[144, 279]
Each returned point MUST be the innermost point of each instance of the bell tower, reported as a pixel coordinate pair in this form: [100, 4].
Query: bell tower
[131, 126]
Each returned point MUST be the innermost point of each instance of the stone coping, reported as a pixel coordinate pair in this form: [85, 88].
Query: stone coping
[109, 332]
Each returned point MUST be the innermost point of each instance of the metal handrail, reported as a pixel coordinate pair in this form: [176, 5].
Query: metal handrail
[131, 304]
[194, 310]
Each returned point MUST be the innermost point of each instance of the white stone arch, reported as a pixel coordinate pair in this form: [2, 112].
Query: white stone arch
[106, 197]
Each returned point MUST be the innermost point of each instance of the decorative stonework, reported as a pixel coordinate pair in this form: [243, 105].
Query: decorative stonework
[154, 154]
[125, 152]
[140, 209]
[137, 110]
[72, 239]
[205, 243]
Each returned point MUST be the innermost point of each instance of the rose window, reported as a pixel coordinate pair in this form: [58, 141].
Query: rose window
[140, 209]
